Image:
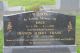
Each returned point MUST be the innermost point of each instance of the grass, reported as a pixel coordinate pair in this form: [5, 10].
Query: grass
[78, 50]
[1, 41]
[78, 30]
[29, 4]
[78, 33]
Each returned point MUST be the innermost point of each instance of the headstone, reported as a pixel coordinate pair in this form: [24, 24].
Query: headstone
[5, 5]
[39, 32]
[68, 4]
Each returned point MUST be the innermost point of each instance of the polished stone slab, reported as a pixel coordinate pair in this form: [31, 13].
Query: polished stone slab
[41, 49]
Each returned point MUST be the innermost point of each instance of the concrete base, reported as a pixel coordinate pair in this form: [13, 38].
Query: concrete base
[40, 49]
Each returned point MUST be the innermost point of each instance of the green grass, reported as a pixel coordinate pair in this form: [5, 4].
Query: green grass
[1, 41]
[78, 50]
[78, 30]
[78, 33]
[30, 4]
